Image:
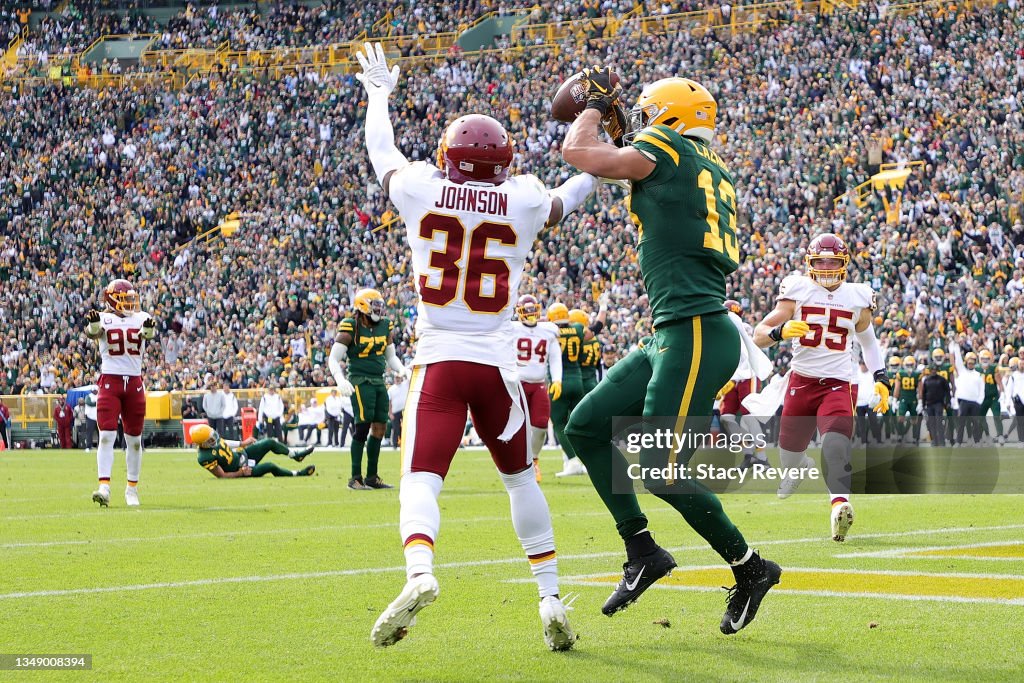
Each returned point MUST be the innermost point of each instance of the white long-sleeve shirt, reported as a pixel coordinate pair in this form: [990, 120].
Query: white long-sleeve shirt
[970, 385]
[1017, 385]
[230, 405]
[272, 406]
[332, 405]
[865, 387]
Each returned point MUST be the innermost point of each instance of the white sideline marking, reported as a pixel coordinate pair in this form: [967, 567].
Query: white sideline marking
[510, 560]
[911, 551]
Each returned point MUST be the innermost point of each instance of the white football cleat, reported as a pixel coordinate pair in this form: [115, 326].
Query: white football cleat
[393, 624]
[557, 633]
[131, 496]
[573, 467]
[102, 496]
[789, 485]
[842, 520]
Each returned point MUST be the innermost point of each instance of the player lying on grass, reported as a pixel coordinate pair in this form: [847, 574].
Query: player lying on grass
[232, 459]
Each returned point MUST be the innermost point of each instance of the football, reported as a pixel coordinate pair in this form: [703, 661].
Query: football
[571, 98]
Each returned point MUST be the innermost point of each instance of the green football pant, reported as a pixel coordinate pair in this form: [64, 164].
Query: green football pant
[991, 404]
[589, 383]
[370, 402]
[677, 374]
[572, 394]
[906, 416]
[257, 451]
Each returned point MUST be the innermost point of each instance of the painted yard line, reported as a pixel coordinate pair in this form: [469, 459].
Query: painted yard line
[897, 552]
[375, 570]
[260, 532]
[814, 570]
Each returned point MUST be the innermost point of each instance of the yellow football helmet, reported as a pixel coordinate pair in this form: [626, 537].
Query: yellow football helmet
[558, 313]
[370, 303]
[1014, 363]
[909, 363]
[985, 357]
[203, 435]
[578, 316]
[970, 359]
[679, 103]
[894, 363]
[938, 356]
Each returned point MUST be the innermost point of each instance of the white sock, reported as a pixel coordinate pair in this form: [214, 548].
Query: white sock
[532, 522]
[537, 438]
[791, 458]
[729, 424]
[105, 454]
[835, 452]
[420, 520]
[133, 457]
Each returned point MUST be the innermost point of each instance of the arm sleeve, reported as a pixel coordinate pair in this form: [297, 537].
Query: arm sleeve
[574, 191]
[394, 362]
[380, 138]
[555, 363]
[869, 349]
[338, 352]
[597, 327]
[958, 361]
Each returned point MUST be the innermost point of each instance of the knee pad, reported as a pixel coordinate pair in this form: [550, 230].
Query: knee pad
[361, 431]
[107, 438]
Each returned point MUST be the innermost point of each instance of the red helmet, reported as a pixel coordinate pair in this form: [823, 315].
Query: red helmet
[528, 310]
[475, 148]
[827, 246]
[733, 306]
[120, 296]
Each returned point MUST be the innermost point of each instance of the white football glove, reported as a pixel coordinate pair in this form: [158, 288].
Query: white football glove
[402, 375]
[375, 76]
[874, 401]
[345, 388]
[604, 301]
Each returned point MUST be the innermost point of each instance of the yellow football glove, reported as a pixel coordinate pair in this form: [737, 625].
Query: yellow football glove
[883, 389]
[791, 329]
[729, 386]
[555, 390]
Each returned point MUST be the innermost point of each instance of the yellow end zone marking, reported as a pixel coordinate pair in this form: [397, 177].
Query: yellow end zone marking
[1005, 551]
[880, 583]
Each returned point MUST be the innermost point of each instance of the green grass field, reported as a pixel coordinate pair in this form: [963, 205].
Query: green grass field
[281, 579]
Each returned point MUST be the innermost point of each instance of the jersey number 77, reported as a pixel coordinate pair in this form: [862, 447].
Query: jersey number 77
[485, 288]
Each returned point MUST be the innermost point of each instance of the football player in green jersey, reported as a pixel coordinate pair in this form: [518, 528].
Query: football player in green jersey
[365, 341]
[907, 383]
[941, 366]
[590, 352]
[683, 205]
[232, 459]
[993, 387]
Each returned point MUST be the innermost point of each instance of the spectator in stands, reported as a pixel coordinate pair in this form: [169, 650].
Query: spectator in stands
[215, 405]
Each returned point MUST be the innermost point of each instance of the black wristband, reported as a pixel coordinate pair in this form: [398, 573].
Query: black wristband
[601, 104]
[776, 334]
[597, 327]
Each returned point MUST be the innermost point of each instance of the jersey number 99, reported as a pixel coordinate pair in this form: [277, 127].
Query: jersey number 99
[121, 342]
[478, 268]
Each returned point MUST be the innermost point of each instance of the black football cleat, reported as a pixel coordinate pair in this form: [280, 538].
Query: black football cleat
[309, 471]
[356, 484]
[376, 482]
[299, 456]
[752, 584]
[638, 576]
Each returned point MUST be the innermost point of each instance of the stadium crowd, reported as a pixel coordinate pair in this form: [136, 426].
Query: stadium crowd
[100, 184]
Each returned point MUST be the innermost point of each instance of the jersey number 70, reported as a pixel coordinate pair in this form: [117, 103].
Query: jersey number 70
[478, 269]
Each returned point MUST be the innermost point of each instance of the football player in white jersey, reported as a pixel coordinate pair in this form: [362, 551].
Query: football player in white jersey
[537, 354]
[735, 418]
[470, 226]
[121, 330]
[820, 312]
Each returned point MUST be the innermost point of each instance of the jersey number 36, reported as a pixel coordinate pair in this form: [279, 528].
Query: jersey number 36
[479, 269]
